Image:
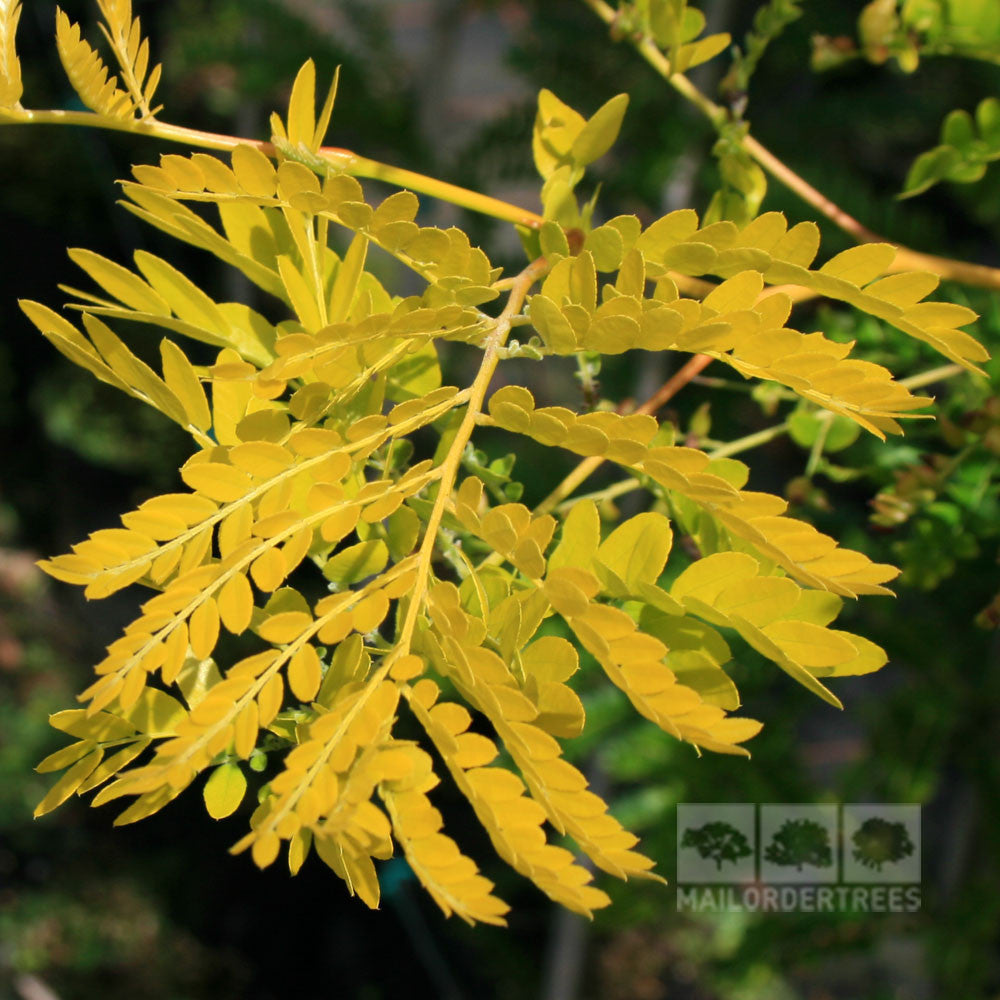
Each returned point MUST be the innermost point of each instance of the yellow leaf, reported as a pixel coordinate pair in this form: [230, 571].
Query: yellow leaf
[269, 569]
[112, 765]
[760, 600]
[176, 653]
[285, 627]
[203, 629]
[810, 645]
[369, 613]
[904, 290]
[245, 730]
[406, 668]
[262, 459]
[123, 284]
[298, 848]
[87, 73]
[10, 69]
[739, 292]
[254, 172]
[357, 562]
[216, 481]
[185, 385]
[324, 116]
[69, 783]
[301, 107]
[224, 790]
[98, 726]
[599, 133]
[235, 602]
[708, 577]
[695, 669]
[156, 713]
[556, 127]
[868, 659]
[305, 673]
[550, 659]
[270, 698]
[637, 550]
[65, 756]
[860, 265]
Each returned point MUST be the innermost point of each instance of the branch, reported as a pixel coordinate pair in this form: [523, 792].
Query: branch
[906, 259]
[453, 460]
[448, 471]
[339, 159]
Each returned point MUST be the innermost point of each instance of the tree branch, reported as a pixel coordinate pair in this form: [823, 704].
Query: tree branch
[906, 259]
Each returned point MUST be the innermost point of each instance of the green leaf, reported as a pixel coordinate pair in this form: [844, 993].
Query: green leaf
[402, 530]
[357, 562]
[805, 427]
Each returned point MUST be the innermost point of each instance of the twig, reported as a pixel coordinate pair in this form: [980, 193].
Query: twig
[675, 383]
[750, 441]
[906, 259]
[667, 391]
[340, 159]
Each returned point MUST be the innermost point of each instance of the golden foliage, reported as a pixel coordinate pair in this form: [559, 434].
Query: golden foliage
[362, 582]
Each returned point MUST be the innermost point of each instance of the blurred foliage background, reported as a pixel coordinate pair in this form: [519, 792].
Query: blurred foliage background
[446, 87]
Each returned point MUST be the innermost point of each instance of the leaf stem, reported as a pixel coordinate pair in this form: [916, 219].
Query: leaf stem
[453, 460]
[931, 376]
[816, 452]
[750, 441]
[676, 382]
[119, 46]
[608, 493]
[340, 159]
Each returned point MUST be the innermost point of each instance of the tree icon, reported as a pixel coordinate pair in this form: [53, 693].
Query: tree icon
[877, 841]
[800, 842]
[718, 841]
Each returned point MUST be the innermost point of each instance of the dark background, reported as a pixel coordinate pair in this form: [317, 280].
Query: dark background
[161, 910]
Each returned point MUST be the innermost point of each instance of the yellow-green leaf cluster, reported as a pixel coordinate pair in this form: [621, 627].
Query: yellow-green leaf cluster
[757, 518]
[97, 87]
[334, 558]
[675, 26]
[564, 143]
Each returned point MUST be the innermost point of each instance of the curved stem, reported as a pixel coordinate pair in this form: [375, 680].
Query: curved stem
[906, 259]
[359, 166]
[339, 159]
